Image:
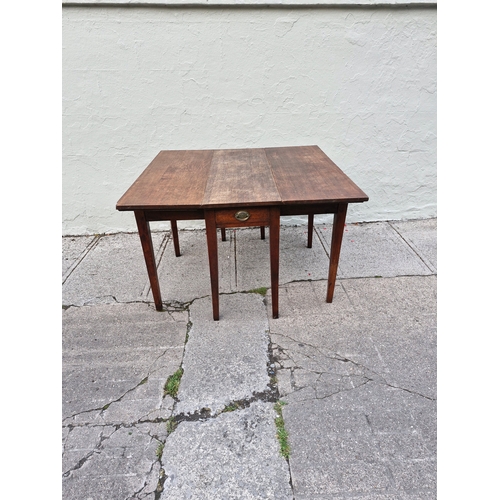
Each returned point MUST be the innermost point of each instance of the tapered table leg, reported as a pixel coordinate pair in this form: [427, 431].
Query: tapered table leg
[262, 232]
[337, 234]
[213, 262]
[310, 226]
[223, 233]
[175, 236]
[274, 248]
[149, 256]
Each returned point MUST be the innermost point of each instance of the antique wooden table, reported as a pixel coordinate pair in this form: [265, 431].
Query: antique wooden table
[240, 188]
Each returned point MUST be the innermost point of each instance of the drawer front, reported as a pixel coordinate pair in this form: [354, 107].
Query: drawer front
[241, 217]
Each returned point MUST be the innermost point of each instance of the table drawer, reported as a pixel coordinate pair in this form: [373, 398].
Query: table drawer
[239, 217]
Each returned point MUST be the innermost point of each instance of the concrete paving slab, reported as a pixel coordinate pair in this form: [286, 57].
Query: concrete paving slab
[374, 249]
[116, 359]
[113, 271]
[185, 278]
[359, 376]
[340, 450]
[234, 456]
[115, 462]
[309, 328]
[421, 236]
[399, 316]
[224, 360]
[74, 249]
[297, 262]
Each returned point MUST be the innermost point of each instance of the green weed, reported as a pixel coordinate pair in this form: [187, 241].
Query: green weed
[159, 450]
[281, 432]
[172, 384]
[171, 425]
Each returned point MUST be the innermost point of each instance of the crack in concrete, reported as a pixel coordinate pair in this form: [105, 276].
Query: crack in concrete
[376, 378]
[107, 405]
[96, 298]
[144, 380]
[80, 463]
[269, 395]
[102, 438]
[145, 485]
[335, 357]
[183, 306]
[97, 449]
[366, 381]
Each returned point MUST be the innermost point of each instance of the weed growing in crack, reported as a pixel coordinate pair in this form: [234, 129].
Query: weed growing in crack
[281, 432]
[262, 291]
[161, 481]
[159, 450]
[231, 407]
[171, 425]
[172, 384]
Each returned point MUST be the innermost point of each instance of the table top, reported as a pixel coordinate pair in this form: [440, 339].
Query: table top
[194, 179]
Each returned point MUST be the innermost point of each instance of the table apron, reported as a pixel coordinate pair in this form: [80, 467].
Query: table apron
[157, 215]
[309, 208]
[258, 215]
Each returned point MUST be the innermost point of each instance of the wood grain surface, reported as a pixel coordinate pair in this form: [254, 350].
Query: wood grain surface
[173, 180]
[186, 180]
[304, 174]
[240, 177]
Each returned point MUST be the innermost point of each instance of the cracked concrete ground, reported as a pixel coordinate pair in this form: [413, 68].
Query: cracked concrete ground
[358, 376]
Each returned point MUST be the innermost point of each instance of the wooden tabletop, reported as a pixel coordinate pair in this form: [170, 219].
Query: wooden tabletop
[185, 180]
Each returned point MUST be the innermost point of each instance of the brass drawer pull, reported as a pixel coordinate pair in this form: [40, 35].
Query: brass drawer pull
[242, 215]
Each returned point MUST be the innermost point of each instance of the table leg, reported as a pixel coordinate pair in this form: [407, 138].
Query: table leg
[223, 233]
[262, 232]
[337, 233]
[274, 248]
[310, 225]
[149, 256]
[175, 236]
[213, 262]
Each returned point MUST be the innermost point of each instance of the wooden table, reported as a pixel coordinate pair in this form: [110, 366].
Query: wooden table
[240, 188]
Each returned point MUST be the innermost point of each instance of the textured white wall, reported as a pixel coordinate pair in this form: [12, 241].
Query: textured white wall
[358, 82]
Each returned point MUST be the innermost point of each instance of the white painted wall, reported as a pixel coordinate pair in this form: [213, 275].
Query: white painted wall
[360, 82]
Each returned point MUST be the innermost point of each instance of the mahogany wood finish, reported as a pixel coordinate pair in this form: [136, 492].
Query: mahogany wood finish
[304, 174]
[149, 256]
[337, 233]
[175, 236]
[310, 227]
[240, 177]
[213, 260]
[240, 188]
[262, 233]
[274, 248]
